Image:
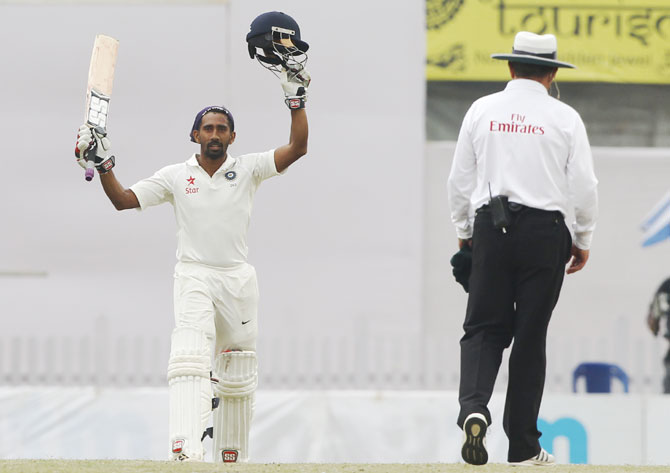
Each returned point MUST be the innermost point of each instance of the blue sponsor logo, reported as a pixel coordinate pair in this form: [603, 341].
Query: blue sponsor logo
[569, 428]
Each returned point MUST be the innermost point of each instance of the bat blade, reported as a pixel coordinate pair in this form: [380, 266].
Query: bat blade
[101, 80]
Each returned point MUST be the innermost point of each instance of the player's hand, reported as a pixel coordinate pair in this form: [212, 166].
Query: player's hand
[84, 138]
[92, 143]
[652, 323]
[295, 81]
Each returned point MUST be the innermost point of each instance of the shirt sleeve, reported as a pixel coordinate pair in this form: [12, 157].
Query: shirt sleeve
[583, 186]
[154, 190]
[264, 166]
[462, 180]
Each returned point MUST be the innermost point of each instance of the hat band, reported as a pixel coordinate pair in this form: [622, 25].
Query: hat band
[216, 108]
[545, 56]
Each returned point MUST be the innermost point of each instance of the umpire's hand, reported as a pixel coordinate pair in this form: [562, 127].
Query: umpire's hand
[578, 260]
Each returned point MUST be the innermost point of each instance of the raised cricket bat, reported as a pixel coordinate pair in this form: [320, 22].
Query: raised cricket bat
[99, 88]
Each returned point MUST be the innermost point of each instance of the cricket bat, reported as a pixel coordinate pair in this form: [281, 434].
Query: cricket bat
[99, 89]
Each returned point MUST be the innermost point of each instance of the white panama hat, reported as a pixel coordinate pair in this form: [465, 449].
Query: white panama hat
[533, 48]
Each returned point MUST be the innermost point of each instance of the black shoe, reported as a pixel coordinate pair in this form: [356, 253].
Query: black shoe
[474, 440]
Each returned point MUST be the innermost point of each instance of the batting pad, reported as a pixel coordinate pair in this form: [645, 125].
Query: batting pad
[237, 374]
[190, 392]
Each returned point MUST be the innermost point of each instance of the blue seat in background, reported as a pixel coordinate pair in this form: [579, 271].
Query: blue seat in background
[599, 376]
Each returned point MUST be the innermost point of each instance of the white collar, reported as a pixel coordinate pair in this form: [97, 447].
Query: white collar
[227, 164]
[526, 84]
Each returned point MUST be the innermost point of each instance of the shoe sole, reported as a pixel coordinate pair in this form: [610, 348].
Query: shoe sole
[473, 451]
[532, 463]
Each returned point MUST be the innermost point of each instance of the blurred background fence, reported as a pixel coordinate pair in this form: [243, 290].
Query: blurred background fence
[310, 361]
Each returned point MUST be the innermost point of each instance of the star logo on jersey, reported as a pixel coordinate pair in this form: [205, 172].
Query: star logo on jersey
[191, 182]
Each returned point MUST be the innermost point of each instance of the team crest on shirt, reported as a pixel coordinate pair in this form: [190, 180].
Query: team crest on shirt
[230, 175]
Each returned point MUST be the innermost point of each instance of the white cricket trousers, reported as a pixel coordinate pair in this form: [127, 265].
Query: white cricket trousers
[222, 302]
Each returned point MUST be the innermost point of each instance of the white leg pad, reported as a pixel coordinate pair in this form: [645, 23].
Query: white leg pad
[237, 375]
[190, 392]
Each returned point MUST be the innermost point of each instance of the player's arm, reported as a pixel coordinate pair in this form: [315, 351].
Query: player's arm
[297, 143]
[121, 197]
[94, 144]
[294, 81]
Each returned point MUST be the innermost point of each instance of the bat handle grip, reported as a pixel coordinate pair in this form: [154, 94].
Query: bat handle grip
[90, 161]
[90, 170]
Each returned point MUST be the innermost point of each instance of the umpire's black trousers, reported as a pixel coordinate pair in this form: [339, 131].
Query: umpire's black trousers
[514, 285]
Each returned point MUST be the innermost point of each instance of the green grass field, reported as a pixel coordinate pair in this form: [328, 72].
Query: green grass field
[119, 466]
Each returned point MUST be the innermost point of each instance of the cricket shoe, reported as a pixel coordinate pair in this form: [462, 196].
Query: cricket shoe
[473, 450]
[182, 457]
[541, 459]
[178, 453]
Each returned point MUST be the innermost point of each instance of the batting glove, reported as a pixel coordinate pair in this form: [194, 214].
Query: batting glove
[295, 81]
[92, 143]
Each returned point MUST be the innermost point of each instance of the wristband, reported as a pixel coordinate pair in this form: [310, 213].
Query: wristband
[295, 103]
[106, 166]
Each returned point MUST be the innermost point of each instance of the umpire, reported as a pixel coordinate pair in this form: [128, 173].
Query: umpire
[522, 163]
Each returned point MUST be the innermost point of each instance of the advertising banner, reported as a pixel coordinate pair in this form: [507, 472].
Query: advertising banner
[330, 426]
[624, 41]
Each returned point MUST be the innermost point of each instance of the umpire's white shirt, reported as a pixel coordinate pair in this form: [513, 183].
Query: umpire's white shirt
[529, 147]
[212, 213]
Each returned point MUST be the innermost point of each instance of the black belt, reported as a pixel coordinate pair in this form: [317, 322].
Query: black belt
[512, 206]
[516, 207]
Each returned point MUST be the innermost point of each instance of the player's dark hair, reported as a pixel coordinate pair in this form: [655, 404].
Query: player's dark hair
[531, 71]
[213, 108]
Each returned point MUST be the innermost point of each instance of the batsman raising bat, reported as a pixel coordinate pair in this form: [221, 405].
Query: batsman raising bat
[212, 367]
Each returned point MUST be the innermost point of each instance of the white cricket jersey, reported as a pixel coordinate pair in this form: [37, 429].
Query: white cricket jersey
[212, 213]
[529, 147]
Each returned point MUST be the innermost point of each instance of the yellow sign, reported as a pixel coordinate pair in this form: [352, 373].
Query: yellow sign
[608, 40]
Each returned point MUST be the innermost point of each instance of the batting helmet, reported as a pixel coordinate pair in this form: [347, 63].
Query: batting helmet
[277, 34]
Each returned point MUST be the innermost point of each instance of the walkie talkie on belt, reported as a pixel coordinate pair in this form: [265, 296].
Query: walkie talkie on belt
[499, 211]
